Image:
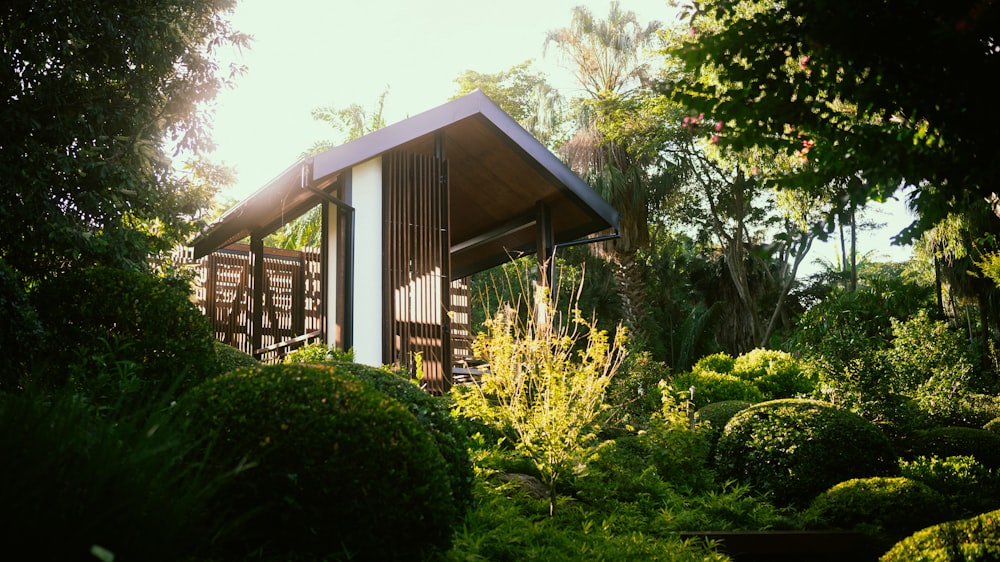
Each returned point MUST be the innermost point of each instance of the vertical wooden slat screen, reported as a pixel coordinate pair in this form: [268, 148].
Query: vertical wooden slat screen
[416, 266]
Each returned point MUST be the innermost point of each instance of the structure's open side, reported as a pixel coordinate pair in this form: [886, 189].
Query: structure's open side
[409, 211]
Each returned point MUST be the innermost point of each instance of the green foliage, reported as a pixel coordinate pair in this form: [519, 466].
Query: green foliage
[957, 441]
[993, 425]
[507, 527]
[775, 373]
[73, 481]
[976, 539]
[228, 358]
[717, 414]
[634, 394]
[117, 334]
[774, 73]
[322, 464]
[887, 508]
[794, 449]
[541, 387]
[969, 486]
[734, 507]
[95, 97]
[710, 387]
[720, 362]
[434, 414]
[928, 352]
[20, 331]
[319, 353]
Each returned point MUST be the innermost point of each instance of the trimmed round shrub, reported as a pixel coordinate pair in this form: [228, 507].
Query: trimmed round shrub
[969, 486]
[976, 539]
[775, 373]
[321, 464]
[20, 330]
[434, 414]
[956, 441]
[710, 387]
[718, 414]
[795, 449]
[717, 363]
[115, 333]
[890, 508]
[228, 358]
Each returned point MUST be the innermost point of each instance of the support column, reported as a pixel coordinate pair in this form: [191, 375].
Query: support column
[257, 292]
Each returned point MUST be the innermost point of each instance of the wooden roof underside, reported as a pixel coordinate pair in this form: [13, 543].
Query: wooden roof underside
[499, 174]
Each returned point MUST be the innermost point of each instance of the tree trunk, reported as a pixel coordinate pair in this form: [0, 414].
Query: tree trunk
[630, 290]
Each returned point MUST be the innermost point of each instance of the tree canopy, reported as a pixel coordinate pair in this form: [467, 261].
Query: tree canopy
[95, 99]
[874, 94]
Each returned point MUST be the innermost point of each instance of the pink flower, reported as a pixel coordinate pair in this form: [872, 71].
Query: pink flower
[718, 125]
[715, 139]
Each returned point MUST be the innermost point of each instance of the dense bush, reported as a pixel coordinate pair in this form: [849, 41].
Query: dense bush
[228, 358]
[20, 330]
[993, 425]
[717, 363]
[325, 465]
[965, 409]
[889, 508]
[634, 393]
[116, 333]
[956, 441]
[969, 486]
[928, 353]
[72, 481]
[718, 414]
[775, 373]
[968, 540]
[319, 353]
[710, 387]
[434, 414]
[795, 449]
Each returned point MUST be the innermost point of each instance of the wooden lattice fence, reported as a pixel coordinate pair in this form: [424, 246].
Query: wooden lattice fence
[292, 310]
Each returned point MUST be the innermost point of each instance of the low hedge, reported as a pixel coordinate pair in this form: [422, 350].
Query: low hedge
[228, 358]
[976, 539]
[881, 507]
[321, 464]
[795, 449]
[956, 441]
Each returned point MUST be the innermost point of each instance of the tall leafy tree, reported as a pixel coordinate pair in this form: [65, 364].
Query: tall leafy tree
[609, 59]
[879, 94]
[523, 94]
[95, 98]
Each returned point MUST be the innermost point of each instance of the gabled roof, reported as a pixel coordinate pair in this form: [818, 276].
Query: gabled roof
[498, 175]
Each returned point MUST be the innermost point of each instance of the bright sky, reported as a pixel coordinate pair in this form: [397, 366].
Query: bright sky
[312, 53]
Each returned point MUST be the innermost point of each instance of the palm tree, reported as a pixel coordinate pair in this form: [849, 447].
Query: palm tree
[608, 59]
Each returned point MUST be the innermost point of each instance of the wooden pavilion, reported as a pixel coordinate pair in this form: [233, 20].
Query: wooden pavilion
[408, 211]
